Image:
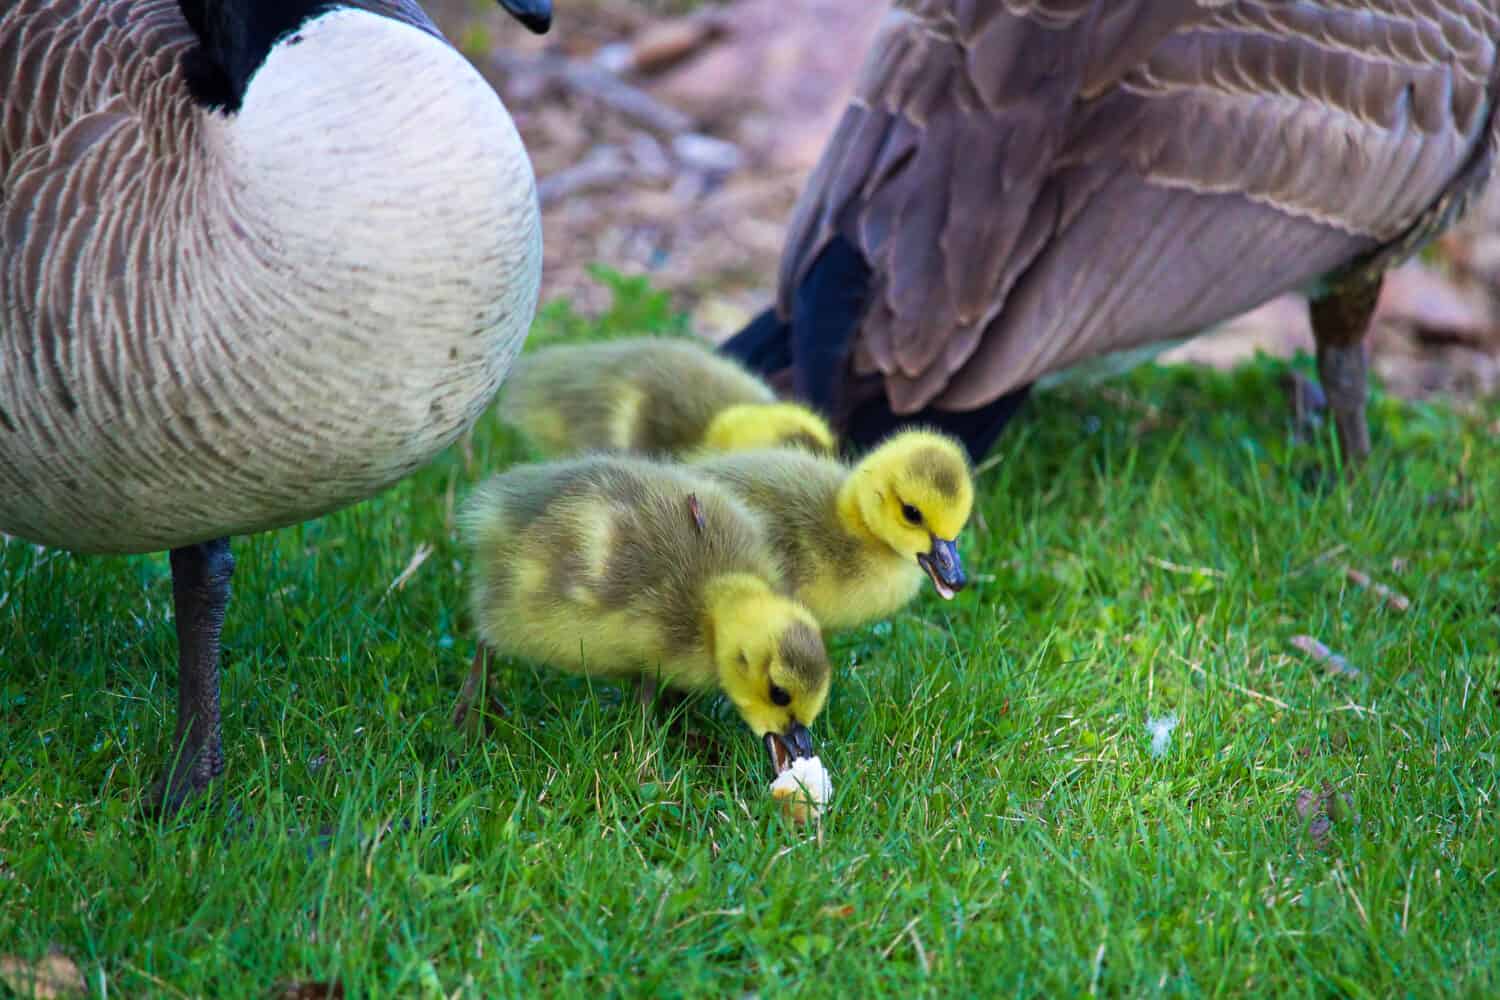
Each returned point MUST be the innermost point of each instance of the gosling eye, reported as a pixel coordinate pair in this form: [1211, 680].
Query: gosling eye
[911, 513]
[779, 696]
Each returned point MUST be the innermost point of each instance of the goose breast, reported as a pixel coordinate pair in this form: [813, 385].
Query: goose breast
[213, 323]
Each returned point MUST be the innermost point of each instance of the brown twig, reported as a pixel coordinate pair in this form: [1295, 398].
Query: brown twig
[1331, 661]
[594, 82]
[1393, 600]
[604, 167]
[664, 45]
[417, 559]
[1172, 567]
[1247, 692]
[476, 698]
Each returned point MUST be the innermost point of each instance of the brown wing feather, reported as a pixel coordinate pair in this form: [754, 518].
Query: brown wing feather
[96, 130]
[1037, 182]
[61, 60]
[90, 103]
[64, 59]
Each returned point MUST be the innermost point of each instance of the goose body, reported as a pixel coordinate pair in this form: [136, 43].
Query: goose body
[258, 260]
[1019, 187]
[213, 324]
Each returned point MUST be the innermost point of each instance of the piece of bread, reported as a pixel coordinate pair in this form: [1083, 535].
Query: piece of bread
[803, 789]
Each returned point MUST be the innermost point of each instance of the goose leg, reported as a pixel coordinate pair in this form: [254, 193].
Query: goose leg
[650, 693]
[200, 592]
[1340, 321]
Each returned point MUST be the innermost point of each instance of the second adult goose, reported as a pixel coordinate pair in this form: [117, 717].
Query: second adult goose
[1017, 187]
[259, 259]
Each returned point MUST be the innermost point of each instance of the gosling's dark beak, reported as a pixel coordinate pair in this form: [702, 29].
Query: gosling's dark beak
[944, 567]
[788, 746]
[535, 14]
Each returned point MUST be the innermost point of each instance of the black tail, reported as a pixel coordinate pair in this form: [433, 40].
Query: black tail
[764, 346]
[827, 311]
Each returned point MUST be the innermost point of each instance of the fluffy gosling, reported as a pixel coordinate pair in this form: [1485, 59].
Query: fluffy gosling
[620, 566]
[856, 542]
[654, 395]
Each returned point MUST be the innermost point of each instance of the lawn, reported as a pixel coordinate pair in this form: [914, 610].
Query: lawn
[1001, 822]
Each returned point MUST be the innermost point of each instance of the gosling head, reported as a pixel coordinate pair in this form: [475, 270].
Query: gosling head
[768, 425]
[772, 665]
[915, 494]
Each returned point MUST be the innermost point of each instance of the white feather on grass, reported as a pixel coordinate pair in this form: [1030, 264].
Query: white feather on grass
[1160, 727]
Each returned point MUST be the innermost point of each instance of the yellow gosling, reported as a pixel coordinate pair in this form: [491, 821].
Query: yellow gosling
[617, 566]
[750, 426]
[653, 395]
[855, 543]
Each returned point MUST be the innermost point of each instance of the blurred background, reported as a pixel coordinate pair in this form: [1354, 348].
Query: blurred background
[671, 138]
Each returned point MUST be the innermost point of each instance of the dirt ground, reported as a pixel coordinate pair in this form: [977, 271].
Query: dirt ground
[674, 144]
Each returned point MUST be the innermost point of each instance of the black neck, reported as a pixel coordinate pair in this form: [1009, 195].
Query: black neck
[235, 36]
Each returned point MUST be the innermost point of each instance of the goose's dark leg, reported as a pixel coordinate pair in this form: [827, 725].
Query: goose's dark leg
[1340, 320]
[200, 592]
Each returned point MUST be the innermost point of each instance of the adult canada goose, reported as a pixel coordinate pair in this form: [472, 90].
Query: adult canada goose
[258, 260]
[1017, 187]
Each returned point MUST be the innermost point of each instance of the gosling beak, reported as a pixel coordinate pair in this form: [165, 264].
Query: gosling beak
[788, 746]
[535, 14]
[944, 567]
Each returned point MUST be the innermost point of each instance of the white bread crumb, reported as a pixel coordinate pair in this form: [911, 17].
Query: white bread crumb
[803, 789]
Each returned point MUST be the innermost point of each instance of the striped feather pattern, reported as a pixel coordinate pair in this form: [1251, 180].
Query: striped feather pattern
[1036, 182]
[212, 325]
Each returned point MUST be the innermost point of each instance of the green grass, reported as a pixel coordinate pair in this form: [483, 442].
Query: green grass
[999, 826]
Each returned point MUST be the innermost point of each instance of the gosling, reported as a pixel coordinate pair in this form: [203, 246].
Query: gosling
[856, 542]
[617, 566]
[658, 396]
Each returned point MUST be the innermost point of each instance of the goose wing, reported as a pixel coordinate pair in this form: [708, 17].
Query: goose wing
[78, 77]
[62, 61]
[75, 76]
[1034, 182]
